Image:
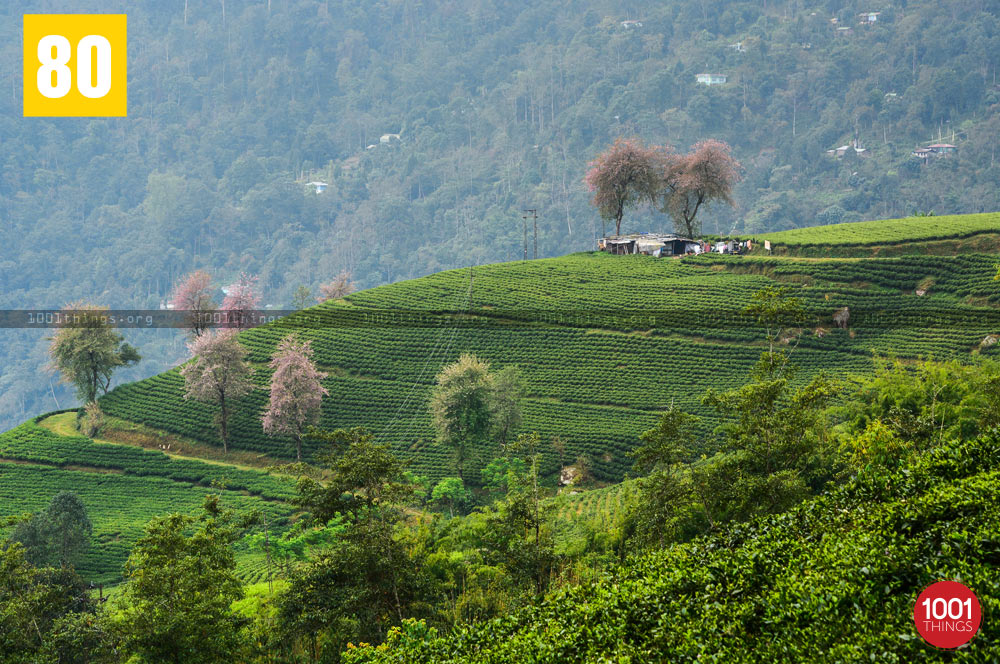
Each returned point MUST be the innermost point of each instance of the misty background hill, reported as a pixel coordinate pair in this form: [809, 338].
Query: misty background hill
[435, 124]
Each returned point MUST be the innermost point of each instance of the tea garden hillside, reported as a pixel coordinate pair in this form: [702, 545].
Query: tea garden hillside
[604, 344]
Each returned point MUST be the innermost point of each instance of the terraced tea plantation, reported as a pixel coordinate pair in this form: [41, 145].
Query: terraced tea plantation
[890, 231]
[32, 442]
[123, 488]
[605, 343]
[579, 516]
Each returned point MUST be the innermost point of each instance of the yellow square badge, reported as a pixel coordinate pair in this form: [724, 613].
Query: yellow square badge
[74, 65]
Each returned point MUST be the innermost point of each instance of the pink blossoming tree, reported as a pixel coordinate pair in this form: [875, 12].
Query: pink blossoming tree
[241, 299]
[296, 391]
[193, 295]
[342, 286]
[219, 374]
[694, 181]
[624, 175]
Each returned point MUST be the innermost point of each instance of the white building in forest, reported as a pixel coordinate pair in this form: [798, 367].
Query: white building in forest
[711, 79]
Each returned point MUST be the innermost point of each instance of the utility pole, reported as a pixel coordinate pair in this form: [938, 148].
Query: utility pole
[534, 221]
[525, 223]
[469, 301]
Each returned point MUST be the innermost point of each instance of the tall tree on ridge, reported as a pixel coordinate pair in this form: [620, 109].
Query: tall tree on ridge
[695, 180]
[242, 299]
[193, 295]
[623, 176]
[86, 350]
[341, 286]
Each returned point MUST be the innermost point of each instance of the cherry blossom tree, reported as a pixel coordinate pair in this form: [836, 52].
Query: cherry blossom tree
[695, 180]
[241, 299]
[193, 295]
[624, 175]
[219, 374]
[296, 391]
[341, 286]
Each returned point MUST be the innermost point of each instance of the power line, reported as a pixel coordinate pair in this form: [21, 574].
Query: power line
[427, 360]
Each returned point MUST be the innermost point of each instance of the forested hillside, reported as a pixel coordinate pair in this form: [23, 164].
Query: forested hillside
[832, 580]
[234, 106]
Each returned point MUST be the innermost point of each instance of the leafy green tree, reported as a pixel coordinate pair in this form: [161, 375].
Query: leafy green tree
[86, 350]
[461, 406]
[68, 527]
[302, 297]
[82, 637]
[878, 447]
[670, 442]
[925, 403]
[776, 436]
[59, 535]
[516, 537]
[450, 492]
[777, 447]
[35, 606]
[363, 477]
[32, 535]
[666, 494]
[355, 591]
[502, 473]
[665, 510]
[180, 584]
[367, 580]
[293, 545]
[516, 533]
[471, 405]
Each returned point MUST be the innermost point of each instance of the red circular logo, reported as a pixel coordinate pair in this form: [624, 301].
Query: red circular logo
[947, 614]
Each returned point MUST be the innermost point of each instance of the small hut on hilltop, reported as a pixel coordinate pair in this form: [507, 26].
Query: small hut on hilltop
[652, 244]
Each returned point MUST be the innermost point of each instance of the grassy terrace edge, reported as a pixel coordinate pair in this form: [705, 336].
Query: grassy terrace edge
[124, 486]
[889, 231]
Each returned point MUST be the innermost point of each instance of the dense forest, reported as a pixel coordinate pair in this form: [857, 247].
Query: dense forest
[436, 124]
